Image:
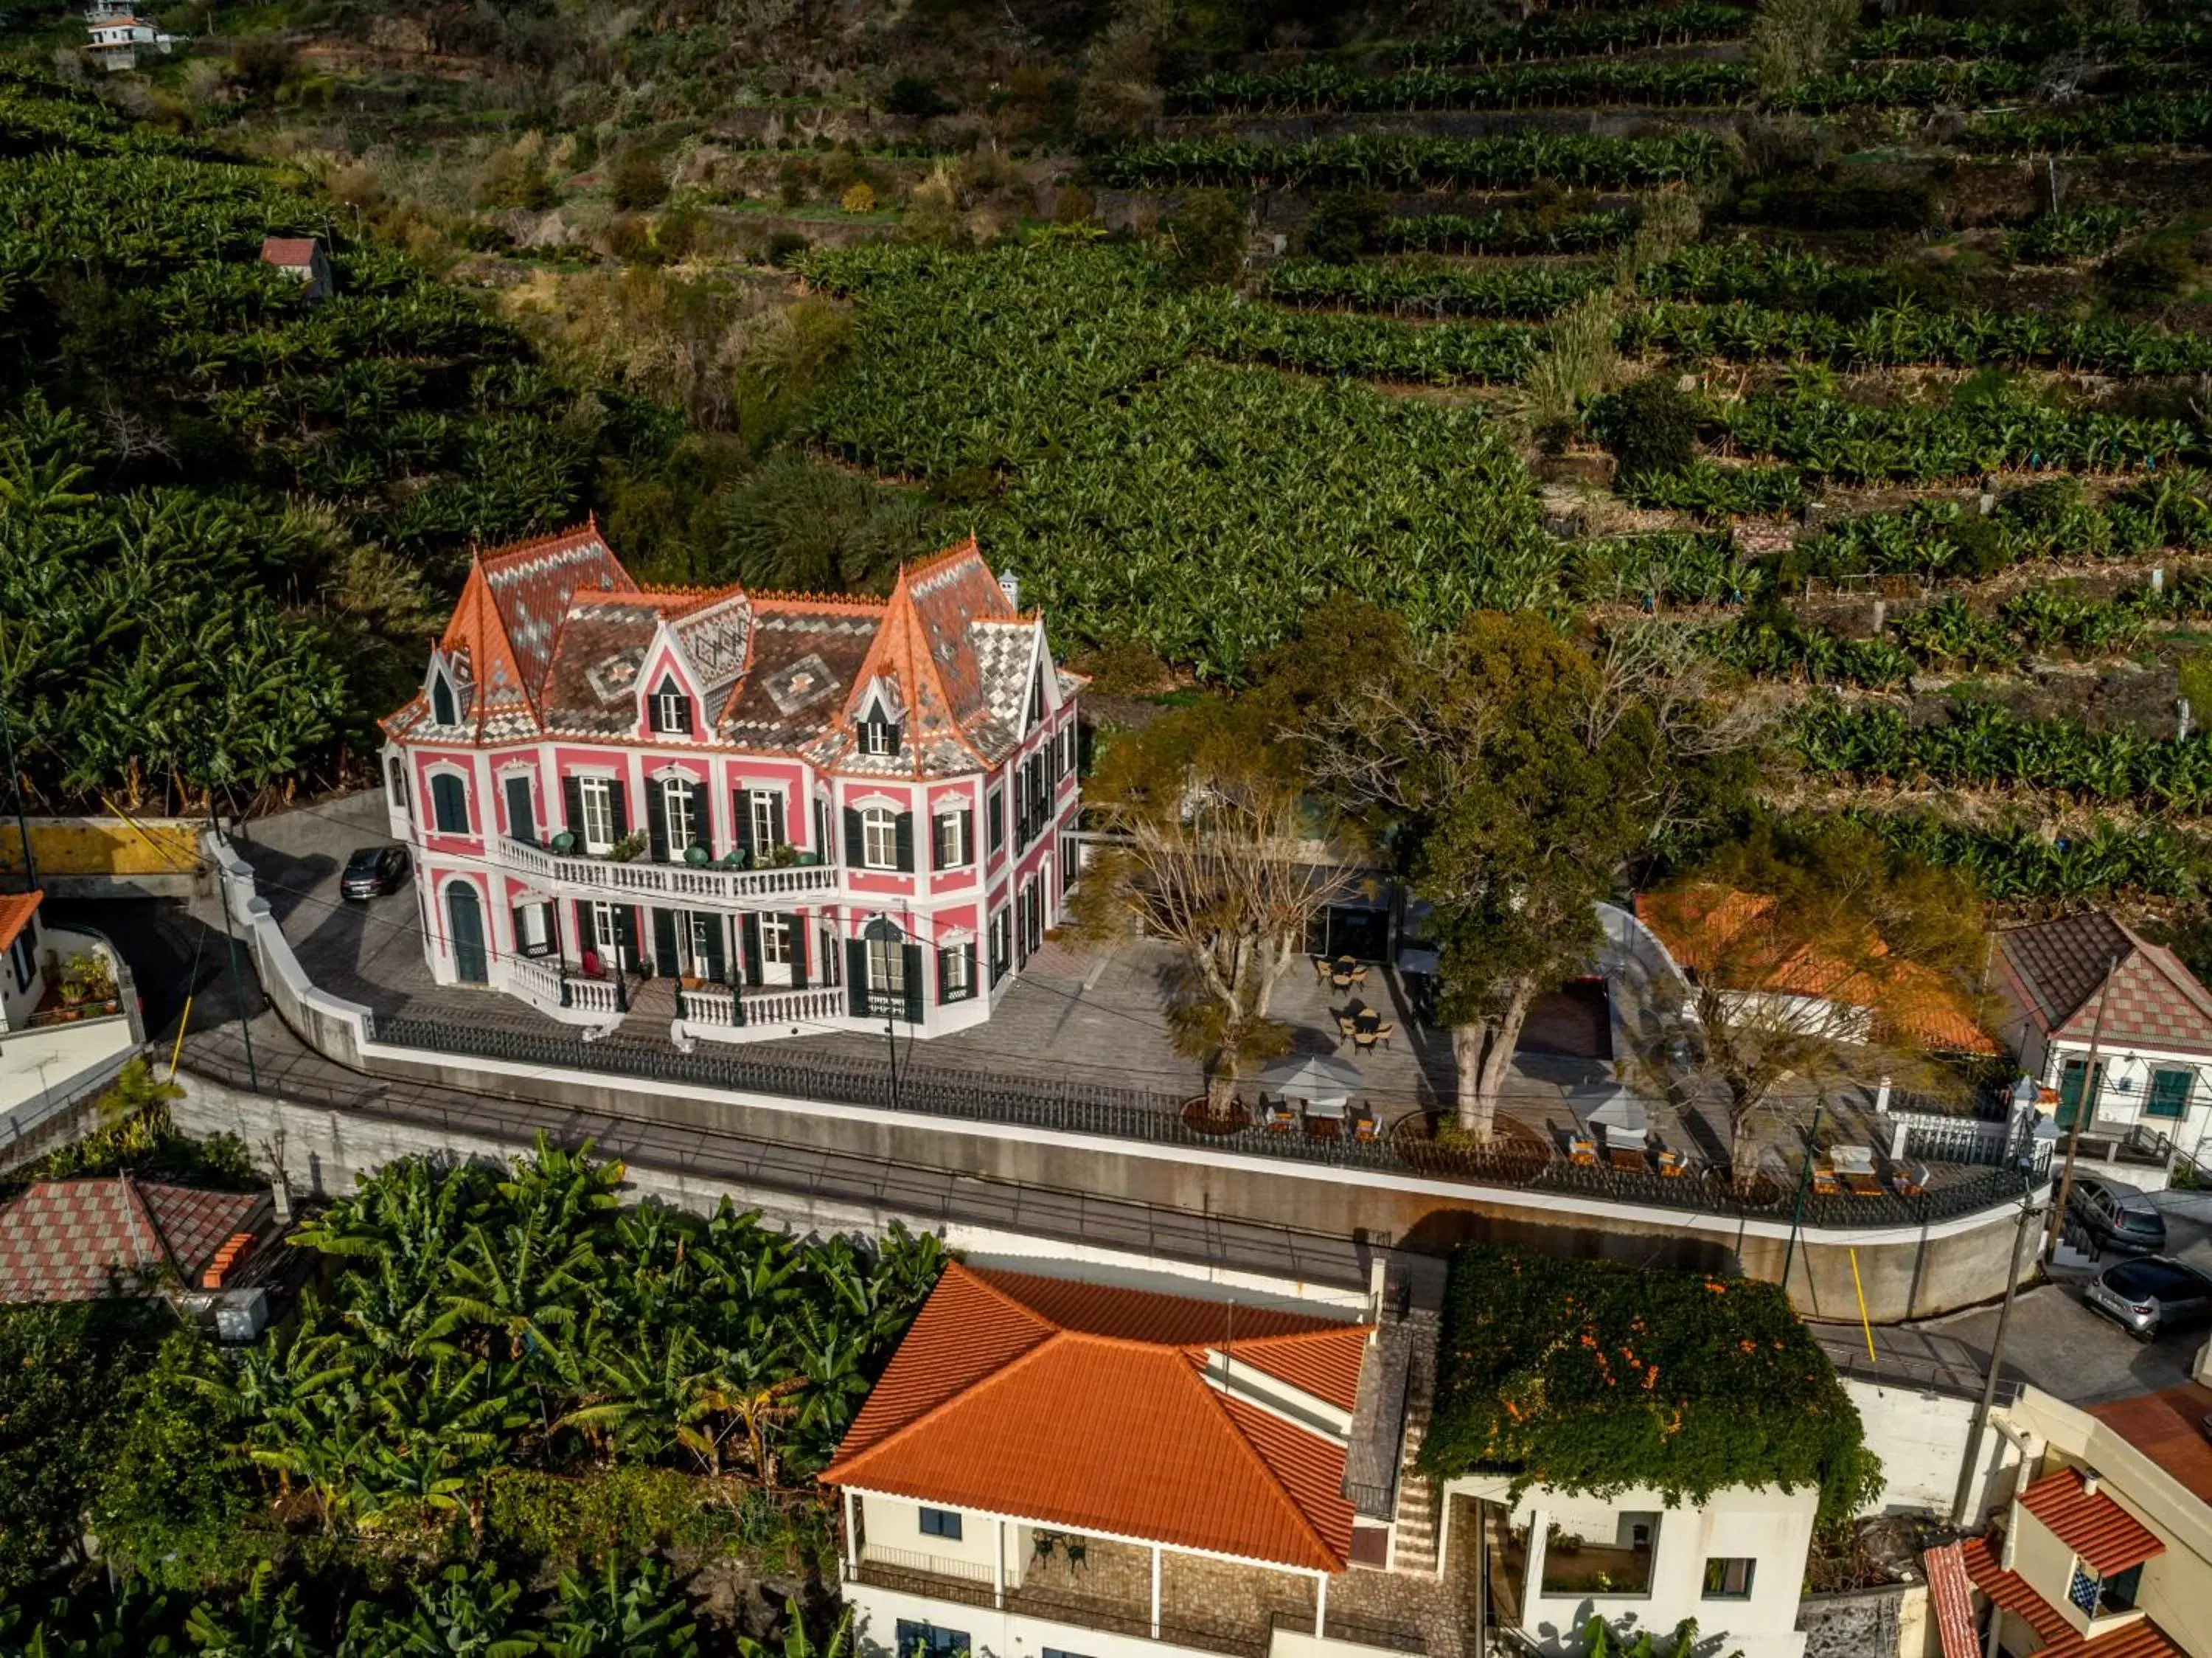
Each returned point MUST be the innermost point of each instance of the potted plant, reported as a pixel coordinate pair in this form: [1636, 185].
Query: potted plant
[629, 847]
[87, 978]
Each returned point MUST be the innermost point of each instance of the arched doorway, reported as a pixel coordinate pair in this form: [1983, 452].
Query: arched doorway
[464, 928]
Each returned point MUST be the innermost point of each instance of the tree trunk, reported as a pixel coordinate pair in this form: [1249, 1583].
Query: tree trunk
[1743, 1143]
[1484, 1054]
[1221, 1090]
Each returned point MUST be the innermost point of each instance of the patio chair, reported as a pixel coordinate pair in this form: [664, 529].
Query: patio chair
[1825, 1182]
[1078, 1556]
[1280, 1119]
[1320, 1128]
[1042, 1543]
[1321, 968]
[1581, 1150]
[1910, 1179]
[1363, 1126]
[1384, 1032]
[1346, 1025]
[1364, 1041]
[1360, 975]
[1673, 1164]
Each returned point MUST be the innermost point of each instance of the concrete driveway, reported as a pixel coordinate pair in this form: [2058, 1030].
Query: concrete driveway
[2057, 1343]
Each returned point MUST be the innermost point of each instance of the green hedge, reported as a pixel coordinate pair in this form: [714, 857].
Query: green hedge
[1595, 1377]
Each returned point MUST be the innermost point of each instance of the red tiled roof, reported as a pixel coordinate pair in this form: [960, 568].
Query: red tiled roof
[1087, 1405]
[288, 250]
[1710, 930]
[2140, 1638]
[2106, 1535]
[1952, 1591]
[2164, 1427]
[75, 1240]
[2058, 967]
[16, 910]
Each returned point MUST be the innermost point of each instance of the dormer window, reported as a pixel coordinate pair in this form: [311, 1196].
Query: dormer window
[878, 737]
[1036, 697]
[671, 710]
[441, 700]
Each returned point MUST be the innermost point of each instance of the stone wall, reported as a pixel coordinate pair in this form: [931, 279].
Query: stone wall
[1891, 1622]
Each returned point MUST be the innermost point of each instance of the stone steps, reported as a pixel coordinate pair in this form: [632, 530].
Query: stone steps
[1415, 1548]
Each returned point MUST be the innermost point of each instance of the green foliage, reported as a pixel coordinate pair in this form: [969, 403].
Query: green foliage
[1145, 493]
[639, 179]
[1652, 426]
[2014, 862]
[1336, 87]
[1595, 30]
[1794, 40]
[797, 526]
[1497, 162]
[798, 1642]
[612, 1614]
[1590, 1376]
[1345, 223]
[2076, 233]
[135, 1133]
[1602, 1640]
[1205, 239]
[1432, 288]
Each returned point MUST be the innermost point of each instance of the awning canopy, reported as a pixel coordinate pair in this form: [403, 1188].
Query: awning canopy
[1316, 1078]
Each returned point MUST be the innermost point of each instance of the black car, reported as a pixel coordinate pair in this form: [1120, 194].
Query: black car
[374, 871]
[2149, 1297]
[2116, 1216]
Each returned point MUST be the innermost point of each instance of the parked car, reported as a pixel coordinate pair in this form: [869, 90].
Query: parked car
[2116, 1216]
[2153, 1294]
[374, 871]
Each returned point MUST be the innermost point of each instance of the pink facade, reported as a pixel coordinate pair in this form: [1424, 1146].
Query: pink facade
[769, 815]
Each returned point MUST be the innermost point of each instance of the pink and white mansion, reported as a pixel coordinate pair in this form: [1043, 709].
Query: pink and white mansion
[772, 814]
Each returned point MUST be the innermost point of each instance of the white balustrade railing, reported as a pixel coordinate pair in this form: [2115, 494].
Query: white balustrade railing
[593, 996]
[641, 878]
[815, 1003]
[711, 1004]
[537, 981]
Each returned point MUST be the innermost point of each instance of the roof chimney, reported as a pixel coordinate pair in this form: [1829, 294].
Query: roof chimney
[1011, 585]
[2089, 1482]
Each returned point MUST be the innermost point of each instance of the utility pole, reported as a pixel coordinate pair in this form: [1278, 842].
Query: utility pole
[2083, 1105]
[237, 981]
[1804, 1180]
[15, 789]
[1996, 1362]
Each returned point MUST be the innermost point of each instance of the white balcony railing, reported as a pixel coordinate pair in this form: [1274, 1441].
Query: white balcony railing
[642, 879]
[714, 1007]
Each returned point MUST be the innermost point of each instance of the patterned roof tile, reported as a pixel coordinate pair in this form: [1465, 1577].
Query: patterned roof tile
[75, 1240]
[2058, 968]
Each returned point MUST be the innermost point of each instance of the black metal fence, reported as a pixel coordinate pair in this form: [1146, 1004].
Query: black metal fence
[1100, 1109]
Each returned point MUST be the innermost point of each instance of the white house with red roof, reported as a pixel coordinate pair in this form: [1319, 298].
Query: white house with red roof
[117, 35]
[2088, 978]
[773, 814]
[300, 258]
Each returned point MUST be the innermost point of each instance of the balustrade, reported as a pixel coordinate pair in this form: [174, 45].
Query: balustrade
[641, 878]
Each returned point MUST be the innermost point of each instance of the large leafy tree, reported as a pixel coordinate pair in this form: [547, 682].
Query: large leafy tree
[1520, 772]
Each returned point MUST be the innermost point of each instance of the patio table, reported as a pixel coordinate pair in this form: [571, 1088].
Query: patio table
[1851, 1159]
[1367, 1021]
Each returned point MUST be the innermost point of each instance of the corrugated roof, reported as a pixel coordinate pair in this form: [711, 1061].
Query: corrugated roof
[1711, 928]
[77, 1239]
[16, 910]
[2058, 966]
[2141, 1638]
[1087, 1405]
[2094, 1526]
[1952, 1593]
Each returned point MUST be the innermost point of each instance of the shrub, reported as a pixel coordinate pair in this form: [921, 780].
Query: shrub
[1598, 1377]
[1345, 223]
[859, 197]
[640, 179]
[2149, 273]
[915, 94]
[1205, 239]
[1652, 427]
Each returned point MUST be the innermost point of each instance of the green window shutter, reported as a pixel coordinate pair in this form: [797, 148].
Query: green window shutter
[798, 925]
[748, 932]
[904, 826]
[584, 939]
[703, 821]
[969, 946]
[745, 799]
[2169, 1094]
[666, 962]
[968, 833]
[618, 798]
[853, 844]
[656, 821]
[572, 808]
[911, 954]
[626, 936]
[856, 976]
[718, 963]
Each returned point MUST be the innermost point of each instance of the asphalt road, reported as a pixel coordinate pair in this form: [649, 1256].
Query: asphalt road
[2060, 1346]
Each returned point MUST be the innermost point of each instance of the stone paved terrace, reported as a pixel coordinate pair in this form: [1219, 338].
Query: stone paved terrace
[1078, 1013]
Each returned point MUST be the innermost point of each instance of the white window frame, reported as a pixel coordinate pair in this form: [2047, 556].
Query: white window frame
[25, 955]
[876, 737]
[953, 981]
[878, 838]
[964, 854]
[778, 938]
[696, 934]
[668, 719]
[606, 936]
[597, 797]
[886, 960]
[533, 927]
[767, 824]
[676, 815]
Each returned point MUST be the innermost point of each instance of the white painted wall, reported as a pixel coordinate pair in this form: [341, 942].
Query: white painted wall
[1771, 1527]
[1921, 1438]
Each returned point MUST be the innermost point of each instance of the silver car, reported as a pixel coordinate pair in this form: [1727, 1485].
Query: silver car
[2152, 1295]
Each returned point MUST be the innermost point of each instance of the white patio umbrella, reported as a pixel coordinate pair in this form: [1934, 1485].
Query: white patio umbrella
[1324, 1083]
[1620, 1113]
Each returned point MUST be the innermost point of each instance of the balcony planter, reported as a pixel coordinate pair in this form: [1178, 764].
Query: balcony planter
[564, 844]
[1515, 1156]
[1199, 1120]
[697, 856]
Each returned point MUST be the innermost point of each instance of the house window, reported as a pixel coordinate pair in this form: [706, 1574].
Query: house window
[1600, 1555]
[948, 839]
[887, 966]
[878, 838]
[671, 710]
[767, 808]
[598, 795]
[995, 812]
[918, 1640]
[1727, 1577]
[441, 702]
[956, 972]
[2169, 1094]
[1002, 944]
[398, 783]
[449, 803]
[676, 811]
[533, 928]
[777, 940]
[606, 932]
[879, 735]
[24, 955]
[941, 1522]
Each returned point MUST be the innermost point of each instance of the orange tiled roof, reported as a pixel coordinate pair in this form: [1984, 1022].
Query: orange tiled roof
[1710, 929]
[2141, 1638]
[2106, 1535]
[1086, 1406]
[288, 250]
[16, 910]
[72, 1240]
[1952, 1591]
[2163, 1426]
